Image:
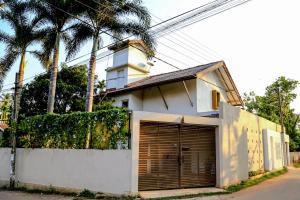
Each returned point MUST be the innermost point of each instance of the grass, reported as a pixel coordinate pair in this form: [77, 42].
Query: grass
[88, 194]
[297, 165]
[249, 183]
[85, 194]
[49, 191]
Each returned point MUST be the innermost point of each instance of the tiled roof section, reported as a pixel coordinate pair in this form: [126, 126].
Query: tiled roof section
[3, 125]
[165, 78]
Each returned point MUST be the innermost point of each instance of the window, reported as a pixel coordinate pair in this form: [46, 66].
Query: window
[216, 97]
[125, 103]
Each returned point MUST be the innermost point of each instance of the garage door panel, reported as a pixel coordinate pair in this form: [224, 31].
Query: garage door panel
[198, 156]
[175, 156]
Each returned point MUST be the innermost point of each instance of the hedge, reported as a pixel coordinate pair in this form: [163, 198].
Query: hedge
[108, 128]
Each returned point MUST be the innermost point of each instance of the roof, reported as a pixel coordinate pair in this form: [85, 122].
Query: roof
[160, 79]
[186, 74]
[126, 43]
[3, 125]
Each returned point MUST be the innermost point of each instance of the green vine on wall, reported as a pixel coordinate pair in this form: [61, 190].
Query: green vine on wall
[69, 131]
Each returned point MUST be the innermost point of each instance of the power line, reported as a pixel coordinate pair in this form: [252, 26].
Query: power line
[205, 16]
[108, 45]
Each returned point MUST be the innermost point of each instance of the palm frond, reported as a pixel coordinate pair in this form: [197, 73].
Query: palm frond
[5, 38]
[81, 33]
[137, 30]
[7, 61]
[41, 56]
[135, 8]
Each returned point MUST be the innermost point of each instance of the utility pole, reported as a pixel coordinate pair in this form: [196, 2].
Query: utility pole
[280, 109]
[12, 179]
[282, 125]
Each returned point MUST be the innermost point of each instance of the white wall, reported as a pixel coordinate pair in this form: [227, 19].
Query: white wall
[135, 75]
[295, 157]
[241, 149]
[4, 165]
[134, 100]
[122, 60]
[175, 96]
[210, 82]
[104, 171]
[137, 57]
[120, 57]
[150, 99]
[273, 151]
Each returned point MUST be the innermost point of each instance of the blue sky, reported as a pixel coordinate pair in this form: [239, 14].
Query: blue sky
[259, 41]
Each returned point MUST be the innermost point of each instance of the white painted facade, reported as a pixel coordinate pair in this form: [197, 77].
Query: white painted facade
[177, 100]
[204, 88]
[106, 171]
[273, 151]
[129, 65]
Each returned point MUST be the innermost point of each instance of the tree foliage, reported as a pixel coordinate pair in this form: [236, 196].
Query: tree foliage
[24, 34]
[115, 18]
[71, 89]
[5, 106]
[267, 106]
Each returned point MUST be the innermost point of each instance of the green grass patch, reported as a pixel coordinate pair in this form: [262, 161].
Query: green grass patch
[49, 191]
[249, 183]
[85, 194]
[297, 165]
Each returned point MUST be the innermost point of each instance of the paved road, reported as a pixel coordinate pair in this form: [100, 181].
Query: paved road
[285, 187]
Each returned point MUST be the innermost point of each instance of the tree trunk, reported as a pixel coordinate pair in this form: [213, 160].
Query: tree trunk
[53, 78]
[18, 88]
[91, 76]
[22, 68]
[20, 82]
[90, 87]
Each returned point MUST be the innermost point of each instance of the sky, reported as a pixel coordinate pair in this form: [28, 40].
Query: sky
[259, 41]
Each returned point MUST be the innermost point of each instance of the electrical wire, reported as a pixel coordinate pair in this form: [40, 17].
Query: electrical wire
[109, 35]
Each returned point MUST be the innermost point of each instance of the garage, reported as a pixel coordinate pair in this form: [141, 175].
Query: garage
[176, 156]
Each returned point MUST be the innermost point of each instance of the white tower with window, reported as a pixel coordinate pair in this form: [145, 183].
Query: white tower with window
[130, 64]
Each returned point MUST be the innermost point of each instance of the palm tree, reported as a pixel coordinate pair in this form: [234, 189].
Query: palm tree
[57, 15]
[117, 18]
[24, 34]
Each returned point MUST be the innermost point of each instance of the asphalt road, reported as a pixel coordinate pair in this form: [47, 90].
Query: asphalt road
[285, 187]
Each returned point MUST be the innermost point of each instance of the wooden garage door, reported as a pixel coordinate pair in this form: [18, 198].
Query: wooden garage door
[176, 156]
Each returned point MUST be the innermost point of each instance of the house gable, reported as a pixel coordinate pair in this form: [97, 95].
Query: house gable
[181, 92]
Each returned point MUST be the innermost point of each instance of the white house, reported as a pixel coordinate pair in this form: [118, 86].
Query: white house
[187, 130]
[192, 91]
[211, 153]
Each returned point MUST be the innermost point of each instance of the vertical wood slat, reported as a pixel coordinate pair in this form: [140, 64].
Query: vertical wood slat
[161, 145]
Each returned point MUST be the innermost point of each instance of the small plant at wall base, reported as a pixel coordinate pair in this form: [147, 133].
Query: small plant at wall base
[255, 173]
[108, 128]
[297, 165]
